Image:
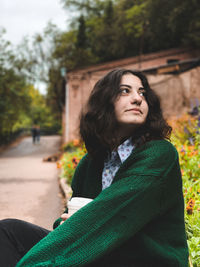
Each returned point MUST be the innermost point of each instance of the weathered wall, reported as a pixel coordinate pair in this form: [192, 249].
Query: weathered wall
[175, 91]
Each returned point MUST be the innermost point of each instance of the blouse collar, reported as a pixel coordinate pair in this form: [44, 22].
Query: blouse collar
[124, 150]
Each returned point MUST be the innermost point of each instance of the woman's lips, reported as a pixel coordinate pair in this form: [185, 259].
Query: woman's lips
[135, 110]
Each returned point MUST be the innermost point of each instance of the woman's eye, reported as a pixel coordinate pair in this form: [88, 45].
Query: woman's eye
[142, 93]
[124, 91]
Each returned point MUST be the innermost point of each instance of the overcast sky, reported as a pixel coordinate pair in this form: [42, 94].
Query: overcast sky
[26, 17]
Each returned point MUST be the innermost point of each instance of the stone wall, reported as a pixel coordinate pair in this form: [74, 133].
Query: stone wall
[177, 92]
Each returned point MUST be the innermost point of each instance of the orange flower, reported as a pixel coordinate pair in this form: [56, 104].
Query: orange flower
[193, 153]
[59, 165]
[190, 147]
[182, 172]
[190, 206]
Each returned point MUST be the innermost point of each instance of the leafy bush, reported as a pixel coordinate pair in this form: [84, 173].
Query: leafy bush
[186, 138]
[75, 150]
[190, 168]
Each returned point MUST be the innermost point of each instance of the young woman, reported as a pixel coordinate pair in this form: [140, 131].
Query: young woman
[133, 175]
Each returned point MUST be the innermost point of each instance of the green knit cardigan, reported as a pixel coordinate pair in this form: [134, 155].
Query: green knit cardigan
[137, 221]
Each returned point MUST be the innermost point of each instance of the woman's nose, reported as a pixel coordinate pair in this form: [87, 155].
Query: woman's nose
[136, 98]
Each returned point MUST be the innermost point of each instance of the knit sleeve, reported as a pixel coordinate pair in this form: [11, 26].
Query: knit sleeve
[116, 214]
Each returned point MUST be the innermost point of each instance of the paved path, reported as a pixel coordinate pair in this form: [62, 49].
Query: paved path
[28, 186]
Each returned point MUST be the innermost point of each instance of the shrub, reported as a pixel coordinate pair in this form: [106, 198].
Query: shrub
[75, 150]
[187, 143]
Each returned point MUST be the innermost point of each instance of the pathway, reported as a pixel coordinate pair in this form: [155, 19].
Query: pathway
[28, 186]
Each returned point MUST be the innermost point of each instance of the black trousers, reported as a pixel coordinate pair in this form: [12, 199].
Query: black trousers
[16, 238]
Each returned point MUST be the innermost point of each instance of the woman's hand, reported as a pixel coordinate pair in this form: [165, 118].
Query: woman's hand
[64, 217]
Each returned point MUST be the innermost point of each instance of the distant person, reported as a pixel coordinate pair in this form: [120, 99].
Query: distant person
[131, 172]
[38, 133]
[34, 133]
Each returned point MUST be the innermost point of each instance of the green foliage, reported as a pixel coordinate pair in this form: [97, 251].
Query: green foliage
[39, 112]
[81, 36]
[43, 65]
[190, 167]
[135, 19]
[70, 159]
[181, 15]
[120, 28]
[14, 91]
[14, 98]
[21, 104]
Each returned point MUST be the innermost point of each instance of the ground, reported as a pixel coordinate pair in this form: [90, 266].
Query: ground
[29, 187]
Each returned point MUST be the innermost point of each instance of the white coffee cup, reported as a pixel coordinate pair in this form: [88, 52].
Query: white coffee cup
[76, 203]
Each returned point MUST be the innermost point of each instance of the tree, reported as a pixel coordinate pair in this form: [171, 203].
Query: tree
[40, 112]
[81, 41]
[44, 66]
[20, 103]
[185, 13]
[14, 97]
[104, 32]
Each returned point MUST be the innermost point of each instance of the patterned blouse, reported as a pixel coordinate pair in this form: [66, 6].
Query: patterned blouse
[114, 161]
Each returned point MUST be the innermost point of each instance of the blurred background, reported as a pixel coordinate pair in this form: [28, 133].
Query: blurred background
[42, 40]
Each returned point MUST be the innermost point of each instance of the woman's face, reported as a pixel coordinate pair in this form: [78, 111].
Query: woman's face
[131, 108]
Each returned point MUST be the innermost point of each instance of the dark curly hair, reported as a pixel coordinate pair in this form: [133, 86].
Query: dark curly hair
[98, 122]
